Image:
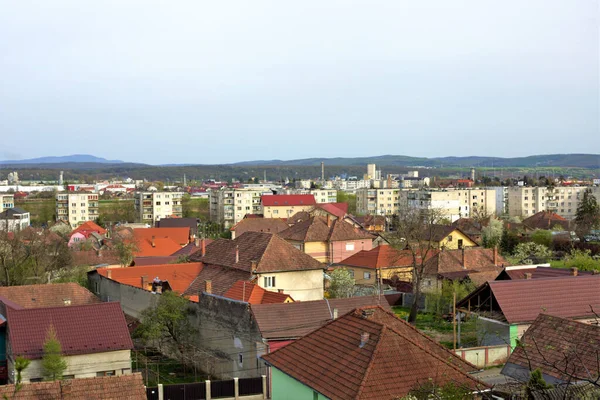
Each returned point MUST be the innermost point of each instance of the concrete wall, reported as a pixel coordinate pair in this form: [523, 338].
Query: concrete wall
[133, 300]
[485, 356]
[83, 365]
[284, 387]
[227, 331]
[301, 285]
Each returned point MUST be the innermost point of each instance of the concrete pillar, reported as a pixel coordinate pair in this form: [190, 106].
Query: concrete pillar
[264, 386]
[208, 397]
[236, 388]
[161, 394]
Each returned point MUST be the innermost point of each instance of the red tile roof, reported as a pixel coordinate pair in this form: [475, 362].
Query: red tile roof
[179, 235]
[179, 276]
[270, 253]
[49, 295]
[556, 346]
[538, 272]
[89, 226]
[320, 229]
[393, 359]
[521, 301]
[285, 200]
[222, 279]
[254, 294]
[338, 210]
[86, 329]
[294, 320]
[166, 240]
[123, 387]
[383, 256]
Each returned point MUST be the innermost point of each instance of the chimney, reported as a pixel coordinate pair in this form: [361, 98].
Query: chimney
[197, 242]
[203, 247]
[574, 271]
[109, 273]
[495, 255]
[153, 244]
[364, 338]
[329, 220]
[279, 290]
[335, 313]
[208, 286]
[144, 281]
[464, 261]
[527, 275]
[237, 254]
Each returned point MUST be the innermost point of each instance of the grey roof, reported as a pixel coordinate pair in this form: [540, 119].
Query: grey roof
[12, 211]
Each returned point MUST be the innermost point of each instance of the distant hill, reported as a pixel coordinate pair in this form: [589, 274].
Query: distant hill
[75, 158]
[550, 160]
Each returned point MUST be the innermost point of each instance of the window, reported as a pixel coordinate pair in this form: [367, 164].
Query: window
[35, 380]
[275, 211]
[106, 373]
[351, 272]
[460, 243]
[68, 376]
[269, 281]
[82, 204]
[167, 203]
[73, 204]
[350, 246]
[449, 238]
[240, 359]
[366, 275]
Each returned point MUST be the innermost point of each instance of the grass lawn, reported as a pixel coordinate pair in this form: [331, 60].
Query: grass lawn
[156, 368]
[440, 330]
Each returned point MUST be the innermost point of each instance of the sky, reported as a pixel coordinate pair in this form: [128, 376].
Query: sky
[212, 82]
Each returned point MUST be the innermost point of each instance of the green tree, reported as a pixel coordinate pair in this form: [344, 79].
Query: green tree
[536, 383]
[543, 237]
[508, 242]
[582, 260]
[125, 248]
[528, 253]
[492, 233]
[449, 391]
[167, 325]
[343, 197]
[341, 284]
[588, 214]
[53, 362]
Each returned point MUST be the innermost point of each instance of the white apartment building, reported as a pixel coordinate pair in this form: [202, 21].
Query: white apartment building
[562, 200]
[152, 206]
[229, 206]
[456, 203]
[380, 201]
[321, 195]
[77, 208]
[7, 200]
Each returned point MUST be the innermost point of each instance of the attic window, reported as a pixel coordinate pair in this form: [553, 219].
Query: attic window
[67, 302]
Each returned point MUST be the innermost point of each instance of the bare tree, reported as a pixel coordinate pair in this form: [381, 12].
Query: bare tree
[414, 233]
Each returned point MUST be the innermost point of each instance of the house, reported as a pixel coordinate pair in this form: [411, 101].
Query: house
[367, 353]
[507, 308]
[251, 293]
[446, 236]
[372, 223]
[471, 227]
[89, 230]
[14, 219]
[191, 223]
[474, 263]
[118, 387]
[565, 351]
[152, 242]
[269, 225]
[537, 271]
[269, 261]
[286, 205]
[546, 220]
[328, 240]
[334, 210]
[49, 295]
[383, 261]
[94, 338]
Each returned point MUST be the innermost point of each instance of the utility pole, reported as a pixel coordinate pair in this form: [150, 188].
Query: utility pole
[454, 318]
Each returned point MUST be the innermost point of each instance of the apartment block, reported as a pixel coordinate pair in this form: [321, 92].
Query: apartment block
[152, 206]
[562, 200]
[6, 201]
[380, 201]
[77, 208]
[230, 206]
[321, 195]
[456, 203]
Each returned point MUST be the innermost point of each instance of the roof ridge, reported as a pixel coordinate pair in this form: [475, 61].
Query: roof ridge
[76, 306]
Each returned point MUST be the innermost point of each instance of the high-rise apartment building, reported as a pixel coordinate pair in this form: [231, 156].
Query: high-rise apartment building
[152, 206]
[230, 206]
[380, 201]
[563, 200]
[77, 208]
[456, 203]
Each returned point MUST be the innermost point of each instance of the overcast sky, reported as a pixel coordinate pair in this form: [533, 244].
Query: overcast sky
[225, 81]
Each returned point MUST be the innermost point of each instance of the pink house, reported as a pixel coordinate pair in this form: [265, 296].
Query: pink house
[84, 231]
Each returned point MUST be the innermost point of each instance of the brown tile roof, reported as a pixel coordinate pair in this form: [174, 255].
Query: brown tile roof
[370, 220]
[394, 359]
[269, 225]
[382, 256]
[123, 387]
[86, 329]
[316, 229]
[254, 294]
[298, 217]
[470, 226]
[436, 232]
[522, 300]
[557, 345]
[475, 259]
[192, 248]
[222, 279]
[50, 295]
[538, 272]
[338, 210]
[546, 220]
[179, 276]
[294, 320]
[270, 253]
[284, 200]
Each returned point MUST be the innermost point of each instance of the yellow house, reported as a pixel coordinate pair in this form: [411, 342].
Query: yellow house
[447, 237]
[286, 205]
